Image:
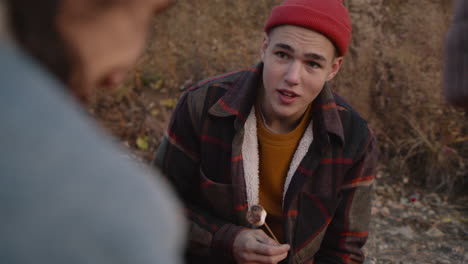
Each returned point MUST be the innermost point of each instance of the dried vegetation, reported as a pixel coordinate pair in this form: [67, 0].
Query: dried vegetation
[392, 76]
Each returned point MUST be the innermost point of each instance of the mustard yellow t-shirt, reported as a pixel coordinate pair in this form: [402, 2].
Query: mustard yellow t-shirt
[276, 152]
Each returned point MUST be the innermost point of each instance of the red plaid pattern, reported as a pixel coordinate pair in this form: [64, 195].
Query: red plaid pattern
[327, 205]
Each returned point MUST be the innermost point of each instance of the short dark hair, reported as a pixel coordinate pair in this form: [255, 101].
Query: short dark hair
[33, 24]
[34, 27]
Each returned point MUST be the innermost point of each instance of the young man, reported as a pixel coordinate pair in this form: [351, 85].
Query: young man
[277, 136]
[67, 193]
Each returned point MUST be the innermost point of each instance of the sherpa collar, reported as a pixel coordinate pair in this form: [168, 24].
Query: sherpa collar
[251, 159]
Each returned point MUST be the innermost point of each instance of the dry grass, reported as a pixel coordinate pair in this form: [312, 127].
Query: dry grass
[392, 76]
[432, 154]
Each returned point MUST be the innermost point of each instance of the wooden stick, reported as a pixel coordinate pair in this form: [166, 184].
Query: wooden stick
[271, 233]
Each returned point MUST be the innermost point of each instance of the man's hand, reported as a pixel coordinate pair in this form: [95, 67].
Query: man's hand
[254, 246]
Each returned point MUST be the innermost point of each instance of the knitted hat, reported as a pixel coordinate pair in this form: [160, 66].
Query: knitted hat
[328, 17]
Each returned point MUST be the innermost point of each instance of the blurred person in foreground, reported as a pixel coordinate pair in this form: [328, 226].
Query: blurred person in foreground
[456, 58]
[276, 135]
[67, 193]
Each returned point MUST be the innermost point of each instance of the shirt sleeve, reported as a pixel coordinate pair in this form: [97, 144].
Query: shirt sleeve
[349, 229]
[178, 158]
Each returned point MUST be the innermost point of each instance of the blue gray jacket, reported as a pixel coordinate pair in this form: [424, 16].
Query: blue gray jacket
[67, 193]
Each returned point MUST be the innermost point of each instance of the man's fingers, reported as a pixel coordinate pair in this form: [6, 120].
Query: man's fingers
[270, 250]
[255, 258]
[279, 258]
[254, 246]
[265, 239]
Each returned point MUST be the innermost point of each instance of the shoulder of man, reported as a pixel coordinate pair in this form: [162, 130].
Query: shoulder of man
[203, 95]
[356, 130]
[219, 84]
[348, 113]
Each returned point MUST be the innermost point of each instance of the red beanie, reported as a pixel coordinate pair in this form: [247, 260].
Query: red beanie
[328, 17]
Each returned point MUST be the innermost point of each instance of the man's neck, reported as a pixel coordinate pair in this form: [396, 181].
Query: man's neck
[279, 125]
[272, 123]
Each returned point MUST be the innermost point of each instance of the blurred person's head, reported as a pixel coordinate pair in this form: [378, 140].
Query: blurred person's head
[86, 43]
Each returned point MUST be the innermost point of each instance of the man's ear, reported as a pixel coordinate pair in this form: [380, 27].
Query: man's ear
[264, 46]
[336, 65]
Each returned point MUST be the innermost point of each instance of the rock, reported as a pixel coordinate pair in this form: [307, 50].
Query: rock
[383, 246]
[375, 210]
[434, 232]
[405, 231]
[385, 212]
[370, 261]
[417, 204]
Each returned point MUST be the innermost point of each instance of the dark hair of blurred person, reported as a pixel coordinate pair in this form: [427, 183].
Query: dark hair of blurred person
[86, 43]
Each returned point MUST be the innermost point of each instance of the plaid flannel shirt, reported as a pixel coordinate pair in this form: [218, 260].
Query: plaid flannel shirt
[328, 201]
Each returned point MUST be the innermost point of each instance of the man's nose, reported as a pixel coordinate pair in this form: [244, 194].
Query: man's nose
[293, 73]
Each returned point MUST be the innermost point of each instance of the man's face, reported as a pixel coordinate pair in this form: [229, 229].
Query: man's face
[106, 40]
[297, 63]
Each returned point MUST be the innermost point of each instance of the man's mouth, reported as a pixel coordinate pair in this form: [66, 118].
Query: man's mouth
[287, 93]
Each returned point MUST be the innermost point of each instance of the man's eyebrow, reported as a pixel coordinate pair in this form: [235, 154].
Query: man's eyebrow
[284, 46]
[314, 56]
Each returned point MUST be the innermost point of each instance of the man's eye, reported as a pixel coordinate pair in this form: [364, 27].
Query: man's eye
[313, 64]
[281, 55]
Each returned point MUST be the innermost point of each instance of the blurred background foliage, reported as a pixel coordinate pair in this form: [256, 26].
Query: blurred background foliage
[392, 75]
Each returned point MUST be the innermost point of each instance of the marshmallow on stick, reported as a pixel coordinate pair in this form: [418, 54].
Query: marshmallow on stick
[256, 216]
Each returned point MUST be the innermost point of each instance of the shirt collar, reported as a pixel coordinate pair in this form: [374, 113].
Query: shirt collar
[240, 97]
[326, 114]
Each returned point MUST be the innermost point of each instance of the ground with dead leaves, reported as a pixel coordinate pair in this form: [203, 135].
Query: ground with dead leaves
[411, 225]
